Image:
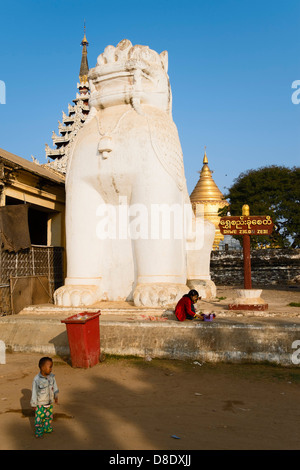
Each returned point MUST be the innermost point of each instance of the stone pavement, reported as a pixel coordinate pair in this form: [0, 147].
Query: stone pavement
[234, 336]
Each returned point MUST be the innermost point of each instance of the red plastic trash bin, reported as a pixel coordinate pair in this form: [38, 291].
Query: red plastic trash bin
[84, 338]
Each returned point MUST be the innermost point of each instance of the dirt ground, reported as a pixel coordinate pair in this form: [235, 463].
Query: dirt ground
[134, 404]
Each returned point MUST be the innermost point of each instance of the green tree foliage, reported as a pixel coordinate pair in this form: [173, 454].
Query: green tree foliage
[275, 191]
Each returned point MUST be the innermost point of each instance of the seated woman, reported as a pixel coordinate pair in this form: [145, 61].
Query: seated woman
[185, 310]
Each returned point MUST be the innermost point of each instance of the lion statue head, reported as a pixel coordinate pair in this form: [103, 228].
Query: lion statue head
[129, 74]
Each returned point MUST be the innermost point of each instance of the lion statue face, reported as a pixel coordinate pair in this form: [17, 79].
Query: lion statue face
[127, 73]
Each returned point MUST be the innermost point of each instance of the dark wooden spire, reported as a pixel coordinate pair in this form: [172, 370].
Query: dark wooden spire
[84, 66]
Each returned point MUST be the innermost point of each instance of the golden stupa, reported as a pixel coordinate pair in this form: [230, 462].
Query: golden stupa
[207, 193]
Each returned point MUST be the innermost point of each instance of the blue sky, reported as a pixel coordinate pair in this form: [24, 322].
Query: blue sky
[231, 67]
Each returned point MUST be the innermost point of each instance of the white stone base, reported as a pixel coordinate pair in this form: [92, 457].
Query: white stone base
[248, 299]
[205, 288]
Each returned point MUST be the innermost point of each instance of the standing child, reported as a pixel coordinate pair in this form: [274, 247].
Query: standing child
[44, 394]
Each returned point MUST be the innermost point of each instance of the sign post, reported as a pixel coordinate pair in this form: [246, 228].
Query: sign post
[246, 226]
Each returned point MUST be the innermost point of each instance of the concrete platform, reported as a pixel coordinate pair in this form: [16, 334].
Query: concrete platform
[128, 330]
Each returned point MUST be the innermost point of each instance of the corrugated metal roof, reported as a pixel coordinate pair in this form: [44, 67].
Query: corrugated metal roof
[31, 166]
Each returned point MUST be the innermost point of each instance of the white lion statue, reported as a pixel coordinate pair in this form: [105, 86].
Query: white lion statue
[130, 230]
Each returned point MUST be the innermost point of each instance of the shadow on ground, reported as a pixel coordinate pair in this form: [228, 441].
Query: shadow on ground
[133, 404]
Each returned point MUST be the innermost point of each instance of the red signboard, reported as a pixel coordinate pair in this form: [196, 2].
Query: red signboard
[246, 225]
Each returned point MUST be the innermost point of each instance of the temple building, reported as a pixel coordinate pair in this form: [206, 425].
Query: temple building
[32, 232]
[71, 122]
[30, 272]
[206, 192]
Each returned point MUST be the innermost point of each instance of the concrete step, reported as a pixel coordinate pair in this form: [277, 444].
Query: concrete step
[157, 333]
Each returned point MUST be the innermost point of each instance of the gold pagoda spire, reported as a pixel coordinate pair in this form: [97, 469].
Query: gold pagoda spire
[207, 193]
[205, 160]
[206, 189]
[84, 67]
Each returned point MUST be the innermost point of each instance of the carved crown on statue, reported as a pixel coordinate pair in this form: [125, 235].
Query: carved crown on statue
[128, 73]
